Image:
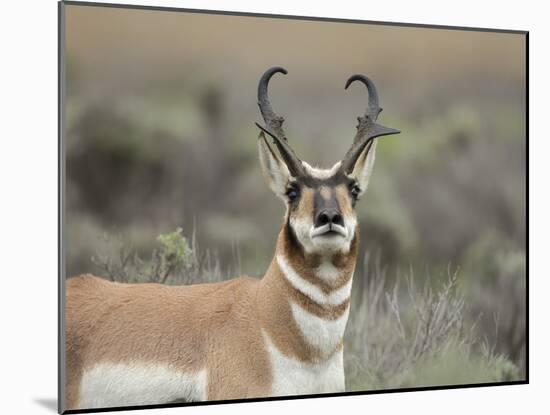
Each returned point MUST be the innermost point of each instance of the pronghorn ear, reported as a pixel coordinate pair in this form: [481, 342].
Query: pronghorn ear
[273, 168]
[363, 167]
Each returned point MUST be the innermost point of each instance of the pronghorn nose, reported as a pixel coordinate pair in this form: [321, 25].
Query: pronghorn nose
[329, 216]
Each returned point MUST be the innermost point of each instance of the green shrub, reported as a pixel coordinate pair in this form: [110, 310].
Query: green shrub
[174, 261]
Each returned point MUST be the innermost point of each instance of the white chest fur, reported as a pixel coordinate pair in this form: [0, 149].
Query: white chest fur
[293, 377]
[323, 335]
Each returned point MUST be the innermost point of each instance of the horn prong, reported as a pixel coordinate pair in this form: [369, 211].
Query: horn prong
[367, 128]
[293, 163]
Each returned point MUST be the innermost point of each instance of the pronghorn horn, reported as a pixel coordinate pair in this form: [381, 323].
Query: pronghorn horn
[367, 128]
[273, 121]
[274, 124]
[295, 166]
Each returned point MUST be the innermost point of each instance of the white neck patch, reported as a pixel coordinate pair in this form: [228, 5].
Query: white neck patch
[327, 271]
[333, 298]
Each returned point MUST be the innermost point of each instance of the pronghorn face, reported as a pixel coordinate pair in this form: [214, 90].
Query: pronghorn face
[320, 202]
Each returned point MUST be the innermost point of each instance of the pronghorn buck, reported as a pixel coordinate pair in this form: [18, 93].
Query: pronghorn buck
[137, 344]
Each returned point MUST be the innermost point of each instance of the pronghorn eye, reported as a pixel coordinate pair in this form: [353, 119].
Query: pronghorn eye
[292, 194]
[355, 190]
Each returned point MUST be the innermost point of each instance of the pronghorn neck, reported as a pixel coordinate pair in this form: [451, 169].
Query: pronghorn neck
[327, 271]
[304, 300]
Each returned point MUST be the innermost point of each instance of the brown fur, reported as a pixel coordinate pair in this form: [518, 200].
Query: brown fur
[344, 200]
[305, 208]
[111, 322]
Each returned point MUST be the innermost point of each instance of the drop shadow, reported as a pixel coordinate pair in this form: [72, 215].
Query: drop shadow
[48, 403]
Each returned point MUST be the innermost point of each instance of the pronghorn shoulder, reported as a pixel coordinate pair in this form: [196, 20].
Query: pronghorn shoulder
[80, 288]
[100, 293]
[90, 281]
[84, 281]
[232, 285]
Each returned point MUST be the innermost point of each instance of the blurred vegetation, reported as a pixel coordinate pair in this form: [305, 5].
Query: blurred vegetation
[174, 261]
[160, 137]
[401, 335]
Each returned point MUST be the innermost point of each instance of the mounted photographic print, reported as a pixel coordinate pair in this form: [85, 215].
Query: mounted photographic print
[241, 221]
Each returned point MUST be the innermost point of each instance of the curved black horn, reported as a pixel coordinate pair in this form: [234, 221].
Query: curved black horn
[367, 128]
[273, 121]
[373, 109]
[274, 124]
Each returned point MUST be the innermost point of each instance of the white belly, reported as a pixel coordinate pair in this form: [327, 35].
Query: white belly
[108, 385]
[293, 377]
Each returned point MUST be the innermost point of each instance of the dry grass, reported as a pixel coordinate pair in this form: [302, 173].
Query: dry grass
[176, 261]
[402, 335]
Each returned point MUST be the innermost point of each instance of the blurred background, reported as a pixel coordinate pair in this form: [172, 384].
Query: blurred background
[161, 150]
